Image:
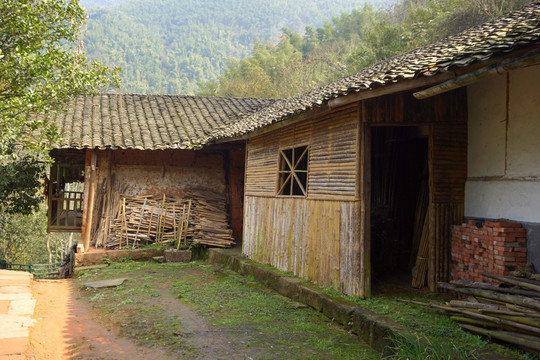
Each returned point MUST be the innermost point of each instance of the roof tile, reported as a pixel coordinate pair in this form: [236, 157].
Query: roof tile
[148, 121]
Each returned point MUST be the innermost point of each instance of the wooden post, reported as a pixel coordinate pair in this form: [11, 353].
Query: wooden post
[432, 212]
[364, 217]
[88, 208]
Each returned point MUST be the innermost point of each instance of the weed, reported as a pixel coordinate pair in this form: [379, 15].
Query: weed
[124, 302]
[414, 347]
[97, 297]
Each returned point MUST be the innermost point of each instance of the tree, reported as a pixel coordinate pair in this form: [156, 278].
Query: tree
[42, 66]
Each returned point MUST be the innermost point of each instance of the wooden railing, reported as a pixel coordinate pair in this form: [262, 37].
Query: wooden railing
[39, 270]
[65, 211]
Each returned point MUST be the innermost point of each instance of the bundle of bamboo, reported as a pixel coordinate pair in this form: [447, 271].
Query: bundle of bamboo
[132, 221]
[509, 314]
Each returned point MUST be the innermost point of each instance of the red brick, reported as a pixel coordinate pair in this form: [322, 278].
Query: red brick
[505, 224]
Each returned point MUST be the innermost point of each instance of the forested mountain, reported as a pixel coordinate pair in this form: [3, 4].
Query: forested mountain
[345, 44]
[170, 46]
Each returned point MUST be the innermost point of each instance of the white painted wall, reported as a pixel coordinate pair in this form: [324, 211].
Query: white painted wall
[504, 159]
[487, 127]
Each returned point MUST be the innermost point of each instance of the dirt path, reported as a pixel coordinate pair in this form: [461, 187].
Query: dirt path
[189, 311]
[65, 329]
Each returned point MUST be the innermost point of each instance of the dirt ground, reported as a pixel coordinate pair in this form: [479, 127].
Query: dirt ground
[65, 329]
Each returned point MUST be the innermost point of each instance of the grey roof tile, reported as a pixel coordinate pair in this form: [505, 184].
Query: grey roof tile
[148, 121]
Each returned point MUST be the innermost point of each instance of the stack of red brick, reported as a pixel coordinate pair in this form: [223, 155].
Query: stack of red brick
[495, 247]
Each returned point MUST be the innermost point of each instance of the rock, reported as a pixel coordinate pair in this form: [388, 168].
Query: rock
[173, 255]
[159, 259]
[105, 283]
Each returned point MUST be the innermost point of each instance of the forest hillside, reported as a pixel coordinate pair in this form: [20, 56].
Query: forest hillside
[170, 46]
[301, 61]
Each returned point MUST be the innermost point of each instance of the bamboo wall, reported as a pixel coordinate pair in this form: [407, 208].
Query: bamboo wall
[311, 236]
[333, 141]
[325, 236]
[315, 239]
[448, 173]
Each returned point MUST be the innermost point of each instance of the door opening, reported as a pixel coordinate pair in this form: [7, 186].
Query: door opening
[399, 201]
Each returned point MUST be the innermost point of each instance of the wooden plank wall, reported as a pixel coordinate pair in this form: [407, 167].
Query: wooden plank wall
[448, 159]
[313, 237]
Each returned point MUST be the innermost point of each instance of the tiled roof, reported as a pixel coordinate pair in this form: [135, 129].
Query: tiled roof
[148, 121]
[516, 30]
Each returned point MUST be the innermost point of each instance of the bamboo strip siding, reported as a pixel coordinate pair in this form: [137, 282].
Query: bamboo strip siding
[333, 144]
[310, 238]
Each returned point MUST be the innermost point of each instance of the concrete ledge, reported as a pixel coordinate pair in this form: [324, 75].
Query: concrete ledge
[374, 329]
[94, 258]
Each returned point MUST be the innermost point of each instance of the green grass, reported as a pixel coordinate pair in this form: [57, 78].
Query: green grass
[433, 334]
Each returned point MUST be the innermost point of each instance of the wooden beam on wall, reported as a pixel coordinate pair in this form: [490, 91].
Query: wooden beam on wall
[390, 89]
[88, 207]
[493, 69]
[364, 216]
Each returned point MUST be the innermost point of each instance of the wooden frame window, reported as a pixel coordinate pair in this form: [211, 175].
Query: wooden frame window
[65, 197]
[293, 171]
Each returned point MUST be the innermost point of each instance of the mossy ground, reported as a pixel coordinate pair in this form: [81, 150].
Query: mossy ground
[245, 319]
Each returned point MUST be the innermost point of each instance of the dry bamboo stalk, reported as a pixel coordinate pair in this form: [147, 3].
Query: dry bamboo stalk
[513, 281]
[140, 222]
[151, 215]
[492, 295]
[123, 220]
[174, 222]
[181, 226]
[523, 341]
[420, 275]
[187, 220]
[163, 213]
[475, 315]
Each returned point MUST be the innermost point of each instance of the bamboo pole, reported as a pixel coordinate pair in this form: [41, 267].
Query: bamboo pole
[123, 220]
[472, 314]
[488, 294]
[523, 341]
[469, 284]
[513, 281]
[187, 220]
[140, 222]
[181, 227]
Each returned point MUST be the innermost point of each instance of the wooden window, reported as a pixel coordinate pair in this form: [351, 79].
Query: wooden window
[293, 171]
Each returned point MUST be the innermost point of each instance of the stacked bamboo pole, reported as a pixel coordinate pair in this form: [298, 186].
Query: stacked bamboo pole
[510, 314]
[132, 221]
[421, 268]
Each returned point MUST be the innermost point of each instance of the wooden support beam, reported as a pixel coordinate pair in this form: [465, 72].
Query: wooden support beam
[88, 207]
[482, 73]
[397, 87]
[364, 234]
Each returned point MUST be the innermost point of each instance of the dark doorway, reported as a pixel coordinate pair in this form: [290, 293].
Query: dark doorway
[399, 199]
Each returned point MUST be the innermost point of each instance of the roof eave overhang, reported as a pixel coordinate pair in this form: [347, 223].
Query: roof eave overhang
[427, 85]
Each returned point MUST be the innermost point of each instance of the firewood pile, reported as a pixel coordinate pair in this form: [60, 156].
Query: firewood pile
[132, 221]
[508, 313]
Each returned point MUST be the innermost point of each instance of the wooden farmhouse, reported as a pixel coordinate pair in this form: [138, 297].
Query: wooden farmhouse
[365, 177]
[139, 145]
[426, 165]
